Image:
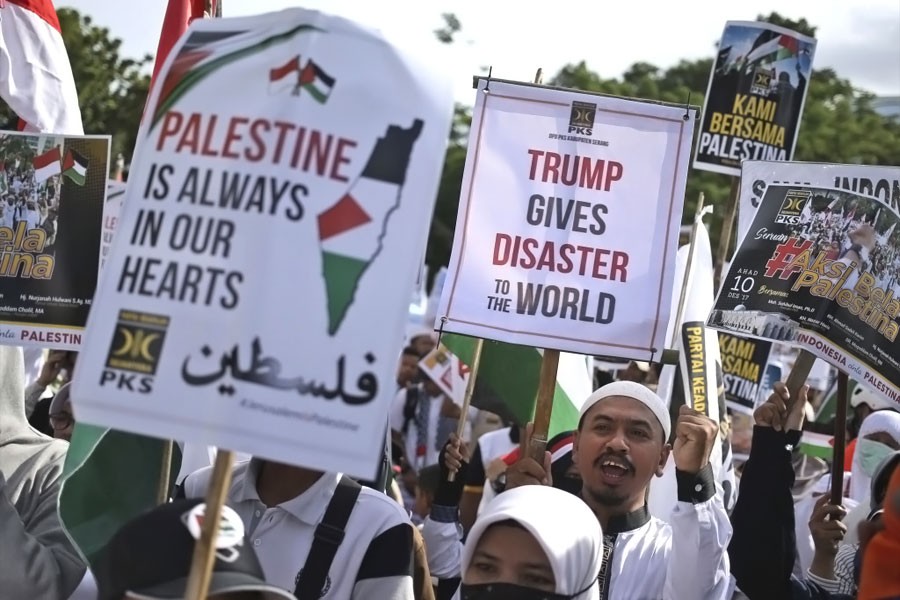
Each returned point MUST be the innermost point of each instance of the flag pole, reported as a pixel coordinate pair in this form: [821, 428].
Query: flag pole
[467, 399]
[727, 228]
[686, 281]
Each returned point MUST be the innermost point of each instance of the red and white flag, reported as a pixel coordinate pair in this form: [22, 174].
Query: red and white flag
[47, 165]
[35, 75]
[179, 14]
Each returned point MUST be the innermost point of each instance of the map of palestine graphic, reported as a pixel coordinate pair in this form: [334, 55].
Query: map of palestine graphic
[351, 230]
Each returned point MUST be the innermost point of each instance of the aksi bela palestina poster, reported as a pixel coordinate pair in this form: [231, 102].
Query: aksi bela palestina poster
[819, 268]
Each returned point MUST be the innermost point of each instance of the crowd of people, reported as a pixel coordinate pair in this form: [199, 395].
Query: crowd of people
[23, 197]
[479, 516]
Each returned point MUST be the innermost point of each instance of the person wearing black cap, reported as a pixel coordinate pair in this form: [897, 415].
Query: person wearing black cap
[149, 558]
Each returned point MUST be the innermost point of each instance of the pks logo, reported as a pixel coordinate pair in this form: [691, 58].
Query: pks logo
[762, 81]
[310, 78]
[792, 208]
[581, 119]
[135, 351]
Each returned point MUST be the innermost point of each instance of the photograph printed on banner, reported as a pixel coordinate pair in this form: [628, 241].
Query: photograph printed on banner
[52, 190]
[755, 96]
[823, 262]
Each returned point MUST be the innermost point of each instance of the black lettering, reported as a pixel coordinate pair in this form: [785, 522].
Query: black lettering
[580, 216]
[295, 213]
[535, 213]
[232, 280]
[599, 225]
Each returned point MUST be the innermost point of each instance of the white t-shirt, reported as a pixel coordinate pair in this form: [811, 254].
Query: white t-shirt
[373, 561]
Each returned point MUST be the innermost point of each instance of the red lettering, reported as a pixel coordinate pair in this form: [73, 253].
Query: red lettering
[170, 126]
[535, 154]
[207, 140]
[340, 159]
[190, 136]
[258, 141]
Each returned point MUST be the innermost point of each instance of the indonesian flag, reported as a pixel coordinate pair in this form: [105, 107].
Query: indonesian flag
[35, 74]
[47, 165]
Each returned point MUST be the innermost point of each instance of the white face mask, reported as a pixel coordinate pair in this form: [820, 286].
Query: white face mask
[871, 455]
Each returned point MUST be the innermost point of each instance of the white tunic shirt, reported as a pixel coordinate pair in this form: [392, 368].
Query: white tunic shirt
[373, 561]
[685, 559]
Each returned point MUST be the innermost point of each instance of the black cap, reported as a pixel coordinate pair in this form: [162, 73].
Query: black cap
[150, 557]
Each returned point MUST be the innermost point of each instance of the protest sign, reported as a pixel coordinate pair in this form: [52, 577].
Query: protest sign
[52, 190]
[820, 269]
[448, 372]
[568, 221]
[755, 96]
[744, 368]
[879, 182]
[257, 290]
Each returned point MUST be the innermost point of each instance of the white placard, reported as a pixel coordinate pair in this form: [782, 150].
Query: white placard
[258, 286]
[568, 221]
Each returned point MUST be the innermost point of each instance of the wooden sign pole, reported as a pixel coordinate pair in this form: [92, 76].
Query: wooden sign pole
[543, 408]
[205, 548]
[727, 228]
[840, 440]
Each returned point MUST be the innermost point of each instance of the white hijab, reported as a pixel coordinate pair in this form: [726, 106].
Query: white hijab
[562, 524]
[887, 421]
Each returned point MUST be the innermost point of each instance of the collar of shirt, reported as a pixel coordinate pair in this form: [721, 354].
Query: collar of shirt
[628, 522]
[309, 507]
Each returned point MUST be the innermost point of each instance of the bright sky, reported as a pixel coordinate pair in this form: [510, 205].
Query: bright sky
[860, 39]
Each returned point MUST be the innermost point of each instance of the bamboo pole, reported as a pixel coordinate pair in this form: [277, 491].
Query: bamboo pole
[205, 549]
[165, 474]
[467, 399]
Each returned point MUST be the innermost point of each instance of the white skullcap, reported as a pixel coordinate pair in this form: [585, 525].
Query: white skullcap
[862, 395]
[630, 389]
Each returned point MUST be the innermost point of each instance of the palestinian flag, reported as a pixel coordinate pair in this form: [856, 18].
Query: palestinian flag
[109, 478]
[508, 377]
[317, 82]
[47, 165]
[777, 48]
[75, 166]
[817, 439]
[351, 229]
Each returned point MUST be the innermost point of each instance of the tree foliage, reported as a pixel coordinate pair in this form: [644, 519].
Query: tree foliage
[839, 125]
[112, 89]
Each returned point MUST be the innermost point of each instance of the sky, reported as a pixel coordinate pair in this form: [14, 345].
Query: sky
[859, 39]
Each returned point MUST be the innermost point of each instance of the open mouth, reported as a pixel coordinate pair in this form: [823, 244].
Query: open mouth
[614, 471]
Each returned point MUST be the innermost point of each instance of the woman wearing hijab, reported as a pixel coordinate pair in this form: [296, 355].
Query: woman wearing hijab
[532, 543]
[879, 437]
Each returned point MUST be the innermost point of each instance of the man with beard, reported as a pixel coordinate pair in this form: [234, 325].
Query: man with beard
[619, 446]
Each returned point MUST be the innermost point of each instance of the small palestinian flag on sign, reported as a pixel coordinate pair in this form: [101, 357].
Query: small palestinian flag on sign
[316, 81]
[75, 166]
[817, 439]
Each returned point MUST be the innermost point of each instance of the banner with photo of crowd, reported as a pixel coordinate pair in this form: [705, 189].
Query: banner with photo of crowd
[819, 268]
[52, 193]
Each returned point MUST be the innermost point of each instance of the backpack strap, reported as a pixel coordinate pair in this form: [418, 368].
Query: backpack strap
[327, 539]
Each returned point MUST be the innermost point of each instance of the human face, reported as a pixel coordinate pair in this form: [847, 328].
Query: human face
[618, 449]
[63, 422]
[407, 369]
[506, 553]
